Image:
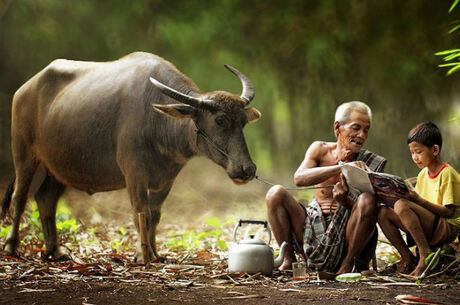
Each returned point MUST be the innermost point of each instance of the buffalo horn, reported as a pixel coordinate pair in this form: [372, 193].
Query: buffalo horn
[179, 96]
[248, 87]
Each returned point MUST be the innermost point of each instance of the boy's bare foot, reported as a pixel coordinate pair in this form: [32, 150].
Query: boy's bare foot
[405, 267]
[420, 266]
[418, 270]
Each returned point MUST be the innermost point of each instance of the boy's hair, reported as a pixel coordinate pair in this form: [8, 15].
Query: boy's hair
[426, 133]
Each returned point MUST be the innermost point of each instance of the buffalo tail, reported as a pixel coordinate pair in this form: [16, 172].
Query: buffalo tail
[7, 199]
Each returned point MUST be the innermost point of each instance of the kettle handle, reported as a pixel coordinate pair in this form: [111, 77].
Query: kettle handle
[256, 222]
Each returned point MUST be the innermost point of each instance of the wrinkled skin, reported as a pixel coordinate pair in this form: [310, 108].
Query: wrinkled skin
[104, 126]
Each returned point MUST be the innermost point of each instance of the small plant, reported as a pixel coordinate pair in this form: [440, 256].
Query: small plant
[4, 231]
[120, 240]
[67, 227]
[193, 241]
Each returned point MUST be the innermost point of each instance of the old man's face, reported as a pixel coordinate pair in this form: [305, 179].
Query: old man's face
[354, 132]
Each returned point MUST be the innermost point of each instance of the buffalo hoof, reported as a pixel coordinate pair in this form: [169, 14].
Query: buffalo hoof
[59, 254]
[139, 259]
[11, 246]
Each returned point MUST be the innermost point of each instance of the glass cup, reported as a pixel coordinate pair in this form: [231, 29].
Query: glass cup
[299, 271]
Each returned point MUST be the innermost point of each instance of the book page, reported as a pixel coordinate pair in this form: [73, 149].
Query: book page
[357, 178]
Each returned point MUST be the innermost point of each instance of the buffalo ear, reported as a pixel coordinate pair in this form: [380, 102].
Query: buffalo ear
[179, 111]
[252, 114]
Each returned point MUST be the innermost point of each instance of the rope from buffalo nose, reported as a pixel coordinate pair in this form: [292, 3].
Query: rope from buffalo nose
[208, 139]
[263, 180]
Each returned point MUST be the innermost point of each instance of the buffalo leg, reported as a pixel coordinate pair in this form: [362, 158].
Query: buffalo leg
[148, 201]
[25, 167]
[138, 196]
[47, 197]
[155, 203]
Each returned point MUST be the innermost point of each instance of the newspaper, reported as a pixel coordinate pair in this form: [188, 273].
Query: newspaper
[388, 188]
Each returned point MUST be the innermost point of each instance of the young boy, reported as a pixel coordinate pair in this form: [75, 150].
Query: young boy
[431, 212]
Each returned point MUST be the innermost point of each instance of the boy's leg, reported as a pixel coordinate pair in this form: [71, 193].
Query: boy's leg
[418, 221]
[390, 224]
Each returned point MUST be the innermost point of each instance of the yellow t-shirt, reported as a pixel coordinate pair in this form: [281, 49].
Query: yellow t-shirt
[443, 189]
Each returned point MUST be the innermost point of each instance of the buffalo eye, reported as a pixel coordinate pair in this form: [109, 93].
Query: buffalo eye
[221, 121]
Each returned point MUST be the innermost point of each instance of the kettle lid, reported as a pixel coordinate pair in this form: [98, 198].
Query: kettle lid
[252, 241]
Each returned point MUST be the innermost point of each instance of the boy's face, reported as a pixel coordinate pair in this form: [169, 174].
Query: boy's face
[423, 155]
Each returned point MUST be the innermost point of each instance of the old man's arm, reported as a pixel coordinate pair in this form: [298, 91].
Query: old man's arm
[310, 171]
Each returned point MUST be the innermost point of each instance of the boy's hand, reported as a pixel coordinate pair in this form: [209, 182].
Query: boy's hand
[412, 196]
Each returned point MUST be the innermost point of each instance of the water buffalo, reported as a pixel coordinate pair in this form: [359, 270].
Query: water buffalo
[133, 122]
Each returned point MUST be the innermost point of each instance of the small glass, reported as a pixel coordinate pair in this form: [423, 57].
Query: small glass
[299, 271]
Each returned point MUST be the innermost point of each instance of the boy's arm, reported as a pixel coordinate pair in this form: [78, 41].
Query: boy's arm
[445, 211]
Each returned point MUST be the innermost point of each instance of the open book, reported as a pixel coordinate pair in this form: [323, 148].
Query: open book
[388, 188]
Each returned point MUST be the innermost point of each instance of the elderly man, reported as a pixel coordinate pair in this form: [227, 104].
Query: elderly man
[335, 229]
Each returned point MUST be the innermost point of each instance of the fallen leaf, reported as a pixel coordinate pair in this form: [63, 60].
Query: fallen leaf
[410, 299]
[35, 290]
[241, 297]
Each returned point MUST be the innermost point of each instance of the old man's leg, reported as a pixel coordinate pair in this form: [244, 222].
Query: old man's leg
[360, 228]
[285, 216]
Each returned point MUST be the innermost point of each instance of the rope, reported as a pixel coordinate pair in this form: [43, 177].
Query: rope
[263, 180]
[199, 131]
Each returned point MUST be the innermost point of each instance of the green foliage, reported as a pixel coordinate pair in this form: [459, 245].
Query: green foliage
[431, 256]
[67, 227]
[451, 56]
[454, 4]
[211, 238]
[120, 241]
[4, 231]
[303, 58]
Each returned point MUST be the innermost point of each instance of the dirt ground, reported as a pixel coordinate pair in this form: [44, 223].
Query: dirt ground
[113, 280]
[103, 274]
[94, 291]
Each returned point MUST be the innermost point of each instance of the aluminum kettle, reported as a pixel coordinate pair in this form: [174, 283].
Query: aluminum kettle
[254, 255]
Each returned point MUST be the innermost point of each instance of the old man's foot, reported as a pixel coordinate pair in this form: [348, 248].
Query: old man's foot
[286, 265]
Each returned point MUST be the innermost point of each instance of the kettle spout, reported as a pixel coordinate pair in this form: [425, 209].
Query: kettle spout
[280, 257]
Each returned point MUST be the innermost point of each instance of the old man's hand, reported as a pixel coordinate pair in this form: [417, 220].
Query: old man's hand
[340, 191]
[362, 165]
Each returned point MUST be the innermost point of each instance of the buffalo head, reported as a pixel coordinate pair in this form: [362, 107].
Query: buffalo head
[219, 118]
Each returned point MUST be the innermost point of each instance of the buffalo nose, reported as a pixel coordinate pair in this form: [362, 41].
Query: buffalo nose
[249, 171]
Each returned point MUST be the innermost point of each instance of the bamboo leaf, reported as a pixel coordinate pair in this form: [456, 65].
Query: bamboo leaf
[454, 29]
[445, 52]
[453, 6]
[449, 64]
[452, 56]
[453, 70]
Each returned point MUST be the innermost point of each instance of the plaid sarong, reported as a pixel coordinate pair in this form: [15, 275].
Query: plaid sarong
[324, 241]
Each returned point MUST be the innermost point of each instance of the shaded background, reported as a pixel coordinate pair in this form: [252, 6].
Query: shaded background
[304, 58]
